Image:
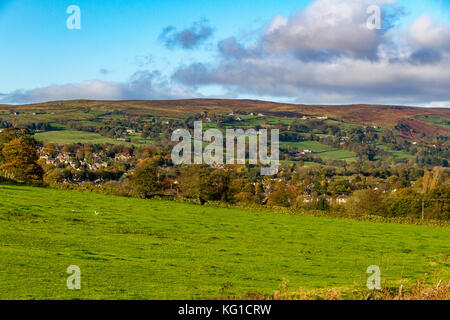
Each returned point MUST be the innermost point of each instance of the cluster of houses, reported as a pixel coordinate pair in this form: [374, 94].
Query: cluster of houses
[253, 114]
[96, 162]
[312, 117]
[122, 157]
[16, 113]
[307, 198]
[66, 158]
[340, 200]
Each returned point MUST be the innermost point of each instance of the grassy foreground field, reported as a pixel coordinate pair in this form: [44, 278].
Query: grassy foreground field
[142, 249]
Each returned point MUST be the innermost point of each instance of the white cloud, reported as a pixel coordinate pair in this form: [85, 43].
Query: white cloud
[326, 28]
[438, 104]
[426, 32]
[142, 85]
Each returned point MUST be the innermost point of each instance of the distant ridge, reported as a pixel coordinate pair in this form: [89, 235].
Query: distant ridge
[405, 119]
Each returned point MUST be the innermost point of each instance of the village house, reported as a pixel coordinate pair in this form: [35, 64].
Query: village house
[51, 162]
[342, 199]
[327, 198]
[122, 157]
[45, 156]
[95, 166]
[307, 198]
[99, 181]
[218, 165]
[63, 157]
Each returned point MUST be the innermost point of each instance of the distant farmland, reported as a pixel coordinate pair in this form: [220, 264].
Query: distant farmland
[72, 136]
[321, 150]
[84, 121]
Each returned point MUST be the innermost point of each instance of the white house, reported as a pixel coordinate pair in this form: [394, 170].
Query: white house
[342, 199]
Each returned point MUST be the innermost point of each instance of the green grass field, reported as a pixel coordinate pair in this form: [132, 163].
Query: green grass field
[321, 150]
[73, 136]
[150, 249]
[314, 146]
[397, 154]
[338, 154]
[440, 121]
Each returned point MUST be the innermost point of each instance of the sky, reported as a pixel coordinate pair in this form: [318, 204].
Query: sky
[302, 51]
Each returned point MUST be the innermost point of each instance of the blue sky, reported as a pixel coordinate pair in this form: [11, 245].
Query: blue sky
[122, 40]
[114, 34]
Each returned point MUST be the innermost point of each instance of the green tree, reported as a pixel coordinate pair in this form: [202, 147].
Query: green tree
[10, 134]
[206, 184]
[404, 203]
[145, 180]
[56, 175]
[367, 202]
[438, 206]
[339, 187]
[283, 195]
[322, 204]
[20, 161]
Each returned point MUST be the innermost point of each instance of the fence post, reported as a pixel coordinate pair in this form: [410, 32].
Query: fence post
[423, 209]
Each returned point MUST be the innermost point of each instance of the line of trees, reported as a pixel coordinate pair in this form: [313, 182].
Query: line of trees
[204, 184]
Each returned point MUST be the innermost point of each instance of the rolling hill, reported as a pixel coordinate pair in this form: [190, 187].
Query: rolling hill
[410, 122]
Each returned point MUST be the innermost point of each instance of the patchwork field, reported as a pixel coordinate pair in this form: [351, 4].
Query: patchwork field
[150, 249]
[72, 136]
[92, 116]
[397, 154]
[437, 120]
[321, 150]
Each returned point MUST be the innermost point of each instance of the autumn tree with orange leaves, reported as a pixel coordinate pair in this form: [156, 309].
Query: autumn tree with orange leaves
[20, 161]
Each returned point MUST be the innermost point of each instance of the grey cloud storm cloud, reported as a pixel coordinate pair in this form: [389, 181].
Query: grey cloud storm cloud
[188, 38]
[326, 54]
